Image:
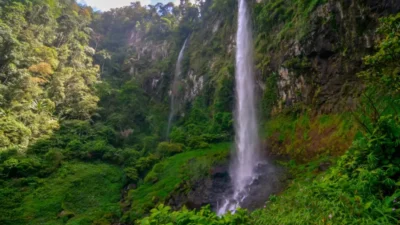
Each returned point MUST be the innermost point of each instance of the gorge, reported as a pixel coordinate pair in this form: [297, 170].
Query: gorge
[209, 112]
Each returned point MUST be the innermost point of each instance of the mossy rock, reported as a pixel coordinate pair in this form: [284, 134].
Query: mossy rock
[65, 215]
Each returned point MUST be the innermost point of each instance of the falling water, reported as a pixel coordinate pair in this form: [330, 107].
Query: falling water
[174, 87]
[247, 140]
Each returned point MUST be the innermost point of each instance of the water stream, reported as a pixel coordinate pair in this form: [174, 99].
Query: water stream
[175, 87]
[247, 144]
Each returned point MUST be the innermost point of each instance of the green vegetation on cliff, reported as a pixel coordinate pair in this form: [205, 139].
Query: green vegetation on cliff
[84, 103]
[170, 174]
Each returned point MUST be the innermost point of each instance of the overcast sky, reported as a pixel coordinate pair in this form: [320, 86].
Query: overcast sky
[105, 5]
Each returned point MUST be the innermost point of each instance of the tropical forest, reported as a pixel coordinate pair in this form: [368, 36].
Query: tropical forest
[200, 112]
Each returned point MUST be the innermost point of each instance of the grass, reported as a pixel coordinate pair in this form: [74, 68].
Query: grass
[327, 198]
[78, 193]
[176, 170]
[306, 137]
[298, 204]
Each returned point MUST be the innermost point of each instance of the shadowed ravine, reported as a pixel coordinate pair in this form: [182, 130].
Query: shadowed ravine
[218, 187]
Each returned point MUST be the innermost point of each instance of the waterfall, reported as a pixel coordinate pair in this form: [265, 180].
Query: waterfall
[175, 86]
[246, 129]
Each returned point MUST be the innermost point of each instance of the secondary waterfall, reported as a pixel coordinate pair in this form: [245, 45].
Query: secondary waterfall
[175, 86]
[247, 139]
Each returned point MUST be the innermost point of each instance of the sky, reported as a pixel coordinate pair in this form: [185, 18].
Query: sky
[104, 5]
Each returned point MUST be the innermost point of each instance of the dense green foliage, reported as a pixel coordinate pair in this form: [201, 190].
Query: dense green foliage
[85, 97]
[46, 68]
[383, 68]
[304, 137]
[362, 187]
[171, 174]
[67, 196]
[163, 215]
[291, 17]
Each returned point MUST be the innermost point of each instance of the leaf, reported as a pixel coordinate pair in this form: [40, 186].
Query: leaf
[367, 205]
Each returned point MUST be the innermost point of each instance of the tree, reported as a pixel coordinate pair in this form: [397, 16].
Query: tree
[384, 66]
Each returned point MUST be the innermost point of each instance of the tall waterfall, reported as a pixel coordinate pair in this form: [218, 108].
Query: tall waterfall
[247, 140]
[175, 86]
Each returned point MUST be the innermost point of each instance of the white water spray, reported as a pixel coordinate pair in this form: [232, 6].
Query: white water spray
[175, 86]
[247, 140]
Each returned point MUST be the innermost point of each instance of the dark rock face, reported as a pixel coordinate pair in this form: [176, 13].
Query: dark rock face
[384, 6]
[214, 189]
[209, 190]
[339, 35]
[271, 180]
[324, 166]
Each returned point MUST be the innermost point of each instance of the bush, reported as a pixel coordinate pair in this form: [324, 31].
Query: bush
[178, 135]
[222, 123]
[21, 167]
[194, 129]
[382, 67]
[131, 173]
[197, 142]
[130, 155]
[149, 143]
[97, 148]
[13, 132]
[215, 138]
[163, 215]
[165, 149]
[143, 164]
[153, 175]
[41, 146]
[75, 145]
[53, 160]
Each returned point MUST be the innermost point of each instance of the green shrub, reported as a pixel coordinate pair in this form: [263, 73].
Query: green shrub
[129, 155]
[271, 95]
[382, 67]
[131, 173]
[215, 138]
[29, 166]
[41, 146]
[178, 135]
[149, 143]
[163, 215]
[194, 129]
[21, 166]
[153, 175]
[97, 148]
[75, 145]
[165, 149]
[143, 164]
[9, 165]
[13, 132]
[222, 123]
[53, 160]
[197, 142]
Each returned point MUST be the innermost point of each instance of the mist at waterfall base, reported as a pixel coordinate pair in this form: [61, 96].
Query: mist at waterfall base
[247, 167]
[174, 87]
